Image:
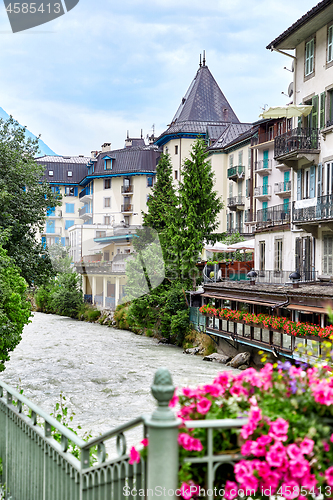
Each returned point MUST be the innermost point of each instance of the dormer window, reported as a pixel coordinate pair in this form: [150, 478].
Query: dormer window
[108, 162]
[69, 173]
[51, 173]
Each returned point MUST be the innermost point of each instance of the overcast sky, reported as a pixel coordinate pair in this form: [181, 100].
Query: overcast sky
[109, 66]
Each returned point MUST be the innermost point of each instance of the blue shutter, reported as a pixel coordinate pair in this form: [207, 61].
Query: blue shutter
[299, 184]
[312, 181]
[43, 241]
[50, 212]
[76, 191]
[265, 158]
[265, 184]
[70, 207]
[319, 180]
[69, 223]
[50, 226]
[63, 241]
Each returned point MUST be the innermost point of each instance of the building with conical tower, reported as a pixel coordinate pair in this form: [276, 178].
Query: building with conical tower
[205, 112]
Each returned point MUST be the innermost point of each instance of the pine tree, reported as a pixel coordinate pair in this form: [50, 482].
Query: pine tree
[200, 206]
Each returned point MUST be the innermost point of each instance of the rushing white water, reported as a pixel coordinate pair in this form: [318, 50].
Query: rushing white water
[104, 373]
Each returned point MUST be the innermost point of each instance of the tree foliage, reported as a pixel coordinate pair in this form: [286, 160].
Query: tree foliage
[15, 310]
[61, 295]
[24, 199]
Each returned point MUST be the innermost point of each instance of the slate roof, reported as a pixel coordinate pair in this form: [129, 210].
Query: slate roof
[129, 160]
[301, 22]
[234, 132]
[60, 165]
[204, 104]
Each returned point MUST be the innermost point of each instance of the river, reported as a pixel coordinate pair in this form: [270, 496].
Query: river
[104, 373]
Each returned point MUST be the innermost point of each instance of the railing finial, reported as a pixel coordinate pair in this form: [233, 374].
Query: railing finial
[163, 390]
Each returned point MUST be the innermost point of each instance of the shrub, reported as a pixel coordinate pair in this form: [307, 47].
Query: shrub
[120, 316]
[67, 296]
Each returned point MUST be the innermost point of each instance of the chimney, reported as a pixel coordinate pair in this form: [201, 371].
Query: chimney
[106, 147]
[94, 154]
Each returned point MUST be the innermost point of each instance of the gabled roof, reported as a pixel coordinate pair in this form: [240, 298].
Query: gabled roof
[235, 132]
[304, 27]
[203, 108]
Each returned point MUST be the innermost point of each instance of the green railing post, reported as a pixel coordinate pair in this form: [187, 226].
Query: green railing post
[163, 459]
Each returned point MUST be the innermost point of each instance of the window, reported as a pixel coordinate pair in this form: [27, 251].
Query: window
[70, 191]
[309, 57]
[69, 173]
[270, 133]
[70, 208]
[278, 255]
[107, 163]
[50, 226]
[231, 160]
[100, 234]
[107, 183]
[51, 173]
[106, 256]
[329, 108]
[289, 123]
[240, 158]
[176, 150]
[330, 44]
[50, 212]
[69, 223]
[107, 219]
[328, 252]
[176, 174]
[149, 182]
[261, 255]
[107, 202]
[127, 220]
[55, 189]
[322, 110]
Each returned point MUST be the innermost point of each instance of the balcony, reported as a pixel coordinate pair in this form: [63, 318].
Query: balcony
[236, 202]
[263, 167]
[262, 192]
[282, 277]
[273, 216]
[127, 189]
[235, 173]
[296, 143]
[249, 216]
[320, 209]
[127, 208]
[86, 195]
[283, 189]
[236, 229]
[84, 214]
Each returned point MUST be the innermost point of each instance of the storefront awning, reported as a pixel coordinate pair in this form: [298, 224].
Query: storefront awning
[307, 309]
[239, 299]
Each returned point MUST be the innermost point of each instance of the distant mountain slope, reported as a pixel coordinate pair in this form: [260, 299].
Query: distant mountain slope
[44, 149]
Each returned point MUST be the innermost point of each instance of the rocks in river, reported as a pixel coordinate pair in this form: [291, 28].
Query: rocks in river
[164, 341]
[243, 367]
[218, 358]
[240, 359]
[192, 350]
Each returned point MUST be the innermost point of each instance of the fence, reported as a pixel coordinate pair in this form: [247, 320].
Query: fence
[35, 466]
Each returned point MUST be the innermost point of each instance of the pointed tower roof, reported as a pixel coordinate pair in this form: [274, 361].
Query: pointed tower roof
[203, 110]
[204, 101]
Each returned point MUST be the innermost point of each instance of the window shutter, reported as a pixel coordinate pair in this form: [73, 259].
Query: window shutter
[319, 179]
[76, 191]
[299, 184]
[299, 122]
[312, 181]
[322, 109]
[315, 111]
[298, 246]
[247, 188]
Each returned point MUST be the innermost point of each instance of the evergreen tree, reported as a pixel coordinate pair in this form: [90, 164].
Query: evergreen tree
[199, 207]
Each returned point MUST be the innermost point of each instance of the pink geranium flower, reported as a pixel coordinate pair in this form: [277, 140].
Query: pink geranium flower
[306, 446]
[230, 490]
[276, 455]
[145, 442]
[278, 429]
[299, 468]
[185, 491]
[203, 405]
[329, 476]
[326, 446]
[174, 400]
[134, 456]
[190, 393]
[294, 452]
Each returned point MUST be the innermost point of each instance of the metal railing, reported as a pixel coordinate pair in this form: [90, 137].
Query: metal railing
[236, 229]
[197, 319]
[265, 164]
[127, 208]
[35, 466]
[297, 139]
[84, 211]
[235, 201]
[87, 191]
[282, 277]
[250, 216]
[322, 210]
[127, 189]
[262, 191]
[38, 467]
[273, 216]
[237, 171]
[282, 187]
